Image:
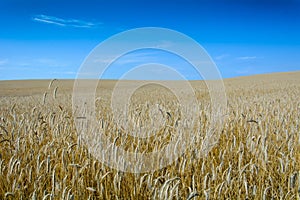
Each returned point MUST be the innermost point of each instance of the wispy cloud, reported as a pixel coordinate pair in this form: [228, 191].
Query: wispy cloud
[65, 22]
[221, 57]
[165, 44]
[138, 57]
[131, 58]
[247, 58]
[26, 63]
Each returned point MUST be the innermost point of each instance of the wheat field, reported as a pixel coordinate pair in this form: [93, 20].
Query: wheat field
[256, 157]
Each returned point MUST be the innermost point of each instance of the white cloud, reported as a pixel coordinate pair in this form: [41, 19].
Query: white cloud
[221, 57]
[247, 58]
[106, 61]
[48, 21]
[165, 44]
[65, 22]
[133, 57]
[37, 62]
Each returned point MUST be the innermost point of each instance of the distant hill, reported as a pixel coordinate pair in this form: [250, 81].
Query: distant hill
[32, 87]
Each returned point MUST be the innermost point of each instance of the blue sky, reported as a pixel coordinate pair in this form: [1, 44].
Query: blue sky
[50, 39]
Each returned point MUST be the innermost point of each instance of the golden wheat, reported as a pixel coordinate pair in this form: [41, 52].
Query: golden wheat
[257, 156]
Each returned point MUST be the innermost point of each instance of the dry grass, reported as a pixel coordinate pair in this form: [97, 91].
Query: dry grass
[257, 156]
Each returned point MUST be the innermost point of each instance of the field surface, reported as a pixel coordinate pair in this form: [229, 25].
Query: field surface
[257, 155]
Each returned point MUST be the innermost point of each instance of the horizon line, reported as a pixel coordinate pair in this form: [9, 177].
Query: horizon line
[111, 79]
